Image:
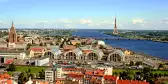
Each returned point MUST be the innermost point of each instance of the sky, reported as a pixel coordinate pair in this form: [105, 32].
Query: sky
[85, 14]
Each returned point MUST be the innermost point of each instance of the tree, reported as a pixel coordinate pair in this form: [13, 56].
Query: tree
[138, 63]
[12, 67]
[51, 43]
[156, 75]
[147, 70]
[165, 82]
[130, 76]
[22, 78]
[7, 40]
[131, 63]
[161, 66]
[42, 74]
[41, 44]
[28, 46]
[31, 75]
[29, 70]
[77, 44]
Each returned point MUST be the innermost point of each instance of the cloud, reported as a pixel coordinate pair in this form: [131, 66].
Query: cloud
[137, 21]
[85, 21]
[165, 20]
[1, 22]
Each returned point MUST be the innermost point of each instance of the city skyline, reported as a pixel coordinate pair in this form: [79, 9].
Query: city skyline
[95, 14]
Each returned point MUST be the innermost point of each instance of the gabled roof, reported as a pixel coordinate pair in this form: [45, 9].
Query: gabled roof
[110, 78]
[37, 49]
[4, 75]
[77, 76]
[69, 47]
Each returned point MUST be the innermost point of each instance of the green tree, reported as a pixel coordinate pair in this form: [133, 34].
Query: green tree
[138, 63]
[77, 44]
[165, 82]
[22, 78]
[130, 76]
[131, 63]
[29, 70]
[11, 67]
[28, 46]
[161, 66]
[42, 74]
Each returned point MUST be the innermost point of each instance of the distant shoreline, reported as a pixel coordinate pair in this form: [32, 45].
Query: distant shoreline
[138, 38]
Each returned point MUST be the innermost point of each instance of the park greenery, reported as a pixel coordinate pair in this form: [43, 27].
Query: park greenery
[161, 36]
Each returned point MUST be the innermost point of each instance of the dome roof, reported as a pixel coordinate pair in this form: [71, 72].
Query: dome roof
[119, 52]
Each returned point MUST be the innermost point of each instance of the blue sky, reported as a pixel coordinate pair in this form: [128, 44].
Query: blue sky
[131, 14]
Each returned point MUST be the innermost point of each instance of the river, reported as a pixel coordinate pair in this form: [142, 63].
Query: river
[157, 49]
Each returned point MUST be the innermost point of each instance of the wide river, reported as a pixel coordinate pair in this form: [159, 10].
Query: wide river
[143, 46]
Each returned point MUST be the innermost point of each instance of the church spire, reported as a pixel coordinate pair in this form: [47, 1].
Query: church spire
[12, 24]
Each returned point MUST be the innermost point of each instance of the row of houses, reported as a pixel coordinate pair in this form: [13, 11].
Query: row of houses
[99, 75]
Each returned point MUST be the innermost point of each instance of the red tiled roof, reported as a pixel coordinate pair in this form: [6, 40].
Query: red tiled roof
[97, 72]
[37, 49]
[73, 69]
[93, 79]
[69, 47]
[42, 82]
[9, 61]
[7, 81]
[78, 76]
[4, 76]
[110, 77]
[131, 82]
[89, 72]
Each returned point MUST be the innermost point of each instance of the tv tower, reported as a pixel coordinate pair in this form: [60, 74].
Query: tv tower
[115, 31]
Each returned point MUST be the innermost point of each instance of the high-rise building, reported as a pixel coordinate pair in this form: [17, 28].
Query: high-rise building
[115, 31]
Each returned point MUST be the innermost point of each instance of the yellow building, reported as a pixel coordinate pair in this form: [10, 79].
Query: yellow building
[74, 42]
[127, 53]
[36, 52]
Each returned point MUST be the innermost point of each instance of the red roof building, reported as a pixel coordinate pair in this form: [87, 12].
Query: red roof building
[5, 78]
[110, 79]
[36, 49]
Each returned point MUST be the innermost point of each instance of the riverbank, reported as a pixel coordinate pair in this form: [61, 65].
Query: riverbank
[144, 55]
[139, 37]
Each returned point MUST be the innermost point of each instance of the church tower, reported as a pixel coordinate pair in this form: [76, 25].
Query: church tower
[12, 36]
[115, 31]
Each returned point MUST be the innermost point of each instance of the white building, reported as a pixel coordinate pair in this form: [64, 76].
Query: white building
[42, 61]
[50, 75]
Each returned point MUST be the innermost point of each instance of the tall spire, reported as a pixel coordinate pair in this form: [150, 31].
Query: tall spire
[12, 24]
[115, 31]
[115, 25]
